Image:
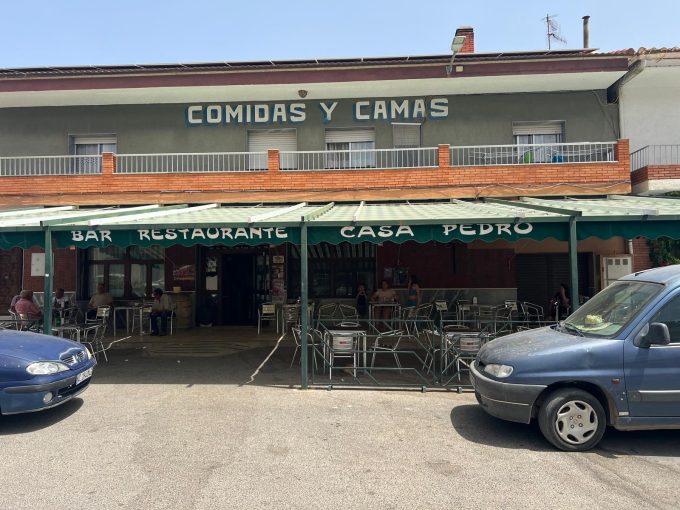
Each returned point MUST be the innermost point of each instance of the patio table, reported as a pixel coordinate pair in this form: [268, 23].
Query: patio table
[129, 310]
[360, 333]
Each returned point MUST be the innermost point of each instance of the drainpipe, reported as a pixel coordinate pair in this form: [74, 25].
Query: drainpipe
[47, 302]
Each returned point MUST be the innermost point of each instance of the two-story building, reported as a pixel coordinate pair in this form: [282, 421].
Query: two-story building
[409, 130]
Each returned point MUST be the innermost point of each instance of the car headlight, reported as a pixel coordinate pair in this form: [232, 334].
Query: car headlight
[87, 352]
[500, 371]
[46, 368]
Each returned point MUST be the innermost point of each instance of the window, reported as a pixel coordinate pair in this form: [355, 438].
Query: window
[530, 133]
[670, 316]
[127, 273]
[91, 145]
[350, 148]
[406, 136]
[261, 140]
[335, 270]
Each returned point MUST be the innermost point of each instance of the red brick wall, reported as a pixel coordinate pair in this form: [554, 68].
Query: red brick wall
[452, 265]
[641, 254]
[655, 172]
[10, 276]
[443, 181]
[64, 270]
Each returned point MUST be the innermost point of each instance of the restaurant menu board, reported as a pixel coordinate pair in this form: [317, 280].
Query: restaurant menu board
[278, 276]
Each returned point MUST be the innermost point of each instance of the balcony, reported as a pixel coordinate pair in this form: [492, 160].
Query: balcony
[655, 169]
[378, 174]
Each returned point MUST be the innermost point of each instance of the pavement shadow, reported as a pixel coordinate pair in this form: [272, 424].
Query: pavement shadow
[475, 425]
[32, 422]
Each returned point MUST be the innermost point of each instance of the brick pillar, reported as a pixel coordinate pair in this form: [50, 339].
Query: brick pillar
[641, 258]
[273, 160]
[622, 152]
[444, 155]
[108, 163]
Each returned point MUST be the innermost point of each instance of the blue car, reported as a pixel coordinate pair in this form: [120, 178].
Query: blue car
[614, 362]
[40, 371]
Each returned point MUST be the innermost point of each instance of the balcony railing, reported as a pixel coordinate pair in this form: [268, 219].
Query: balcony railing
[191, 162]
[554, 153]
[655, 155]
[23, 166]
[359, 159]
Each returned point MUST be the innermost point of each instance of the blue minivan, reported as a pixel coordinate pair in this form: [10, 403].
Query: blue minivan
[615, 361]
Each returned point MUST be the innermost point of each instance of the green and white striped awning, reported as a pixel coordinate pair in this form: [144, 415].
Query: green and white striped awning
[213, 224]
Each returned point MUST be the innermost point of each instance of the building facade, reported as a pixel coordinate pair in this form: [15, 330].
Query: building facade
[432, 128]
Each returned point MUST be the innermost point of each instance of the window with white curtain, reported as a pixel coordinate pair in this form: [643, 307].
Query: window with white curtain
[91, 145]
[350, 148]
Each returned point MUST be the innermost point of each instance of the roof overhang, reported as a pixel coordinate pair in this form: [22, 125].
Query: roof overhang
[506, 84]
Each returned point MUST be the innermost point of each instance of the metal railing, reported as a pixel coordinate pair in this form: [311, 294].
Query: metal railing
[23, 166]
[655, 155]
[191, 162]
[359, 159]
[526, 154]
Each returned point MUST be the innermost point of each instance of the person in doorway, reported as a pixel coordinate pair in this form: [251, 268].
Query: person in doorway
[160, 311]
[101, 298]
[26, 308]
[362, 301]
[559, 304]
[60, 299]
[413, 296]
[384, 295]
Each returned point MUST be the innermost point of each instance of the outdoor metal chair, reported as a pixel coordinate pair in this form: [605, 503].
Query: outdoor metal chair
[314, 341]
[327, 312]
[267, 312]
[349, 316]
[394, 338]
[291, 316]
[343, 346]
[464, 348]
[533, 314]
[93, 338]
[102, 317]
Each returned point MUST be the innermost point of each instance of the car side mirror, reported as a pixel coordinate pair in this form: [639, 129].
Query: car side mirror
[657, 335]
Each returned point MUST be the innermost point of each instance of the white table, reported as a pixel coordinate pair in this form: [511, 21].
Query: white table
[128, 310]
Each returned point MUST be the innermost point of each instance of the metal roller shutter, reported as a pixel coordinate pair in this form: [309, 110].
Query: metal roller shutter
[349, 135]
[406, 135]
[538, 128]
[261, 140]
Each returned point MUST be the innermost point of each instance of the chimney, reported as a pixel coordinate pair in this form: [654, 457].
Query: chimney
[586, 32]
[469, 34]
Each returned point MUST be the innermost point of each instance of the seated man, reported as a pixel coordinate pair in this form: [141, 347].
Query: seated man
[25, 307]
[160, 309]
[60, 300]
[101, 298]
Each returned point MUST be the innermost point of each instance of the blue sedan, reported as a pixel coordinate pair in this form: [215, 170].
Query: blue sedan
[40, 371]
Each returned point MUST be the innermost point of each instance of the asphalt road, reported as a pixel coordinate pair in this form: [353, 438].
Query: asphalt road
[155, 433]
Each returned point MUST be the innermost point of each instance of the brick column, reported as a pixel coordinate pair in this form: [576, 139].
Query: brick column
[622, 152]
[273, 160]
[444, 155]
[108, 163]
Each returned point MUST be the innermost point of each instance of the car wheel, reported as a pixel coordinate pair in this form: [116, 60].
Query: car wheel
[573, 420]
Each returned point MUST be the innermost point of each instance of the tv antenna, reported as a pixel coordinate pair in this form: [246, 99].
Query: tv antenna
[553, 30]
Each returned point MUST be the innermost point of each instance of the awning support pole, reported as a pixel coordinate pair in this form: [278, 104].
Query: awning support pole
[49, 270]
[304, 305]
[573, 264]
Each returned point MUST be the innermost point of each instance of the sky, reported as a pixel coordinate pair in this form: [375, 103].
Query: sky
[90, 32]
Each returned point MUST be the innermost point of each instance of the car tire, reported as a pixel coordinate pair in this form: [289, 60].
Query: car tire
[571, 419]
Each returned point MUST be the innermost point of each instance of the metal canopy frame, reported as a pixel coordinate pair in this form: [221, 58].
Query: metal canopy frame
[574, 211]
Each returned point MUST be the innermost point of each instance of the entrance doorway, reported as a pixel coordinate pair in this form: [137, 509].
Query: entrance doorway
[237, 289]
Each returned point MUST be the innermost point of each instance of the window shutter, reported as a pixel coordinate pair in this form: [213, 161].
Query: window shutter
[350, 135]
[406, 135]
[538, 128]
[261, 140]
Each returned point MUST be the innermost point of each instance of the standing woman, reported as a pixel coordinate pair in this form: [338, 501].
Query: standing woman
[414, 295]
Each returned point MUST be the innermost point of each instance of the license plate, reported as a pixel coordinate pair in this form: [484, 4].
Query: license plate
[83, 375]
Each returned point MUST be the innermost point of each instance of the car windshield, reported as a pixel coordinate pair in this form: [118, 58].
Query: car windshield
[609, 311]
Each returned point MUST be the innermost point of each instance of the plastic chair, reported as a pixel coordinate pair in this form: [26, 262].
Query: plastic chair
[267, 312]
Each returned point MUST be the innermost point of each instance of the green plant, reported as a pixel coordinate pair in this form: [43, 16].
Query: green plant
[664, 251]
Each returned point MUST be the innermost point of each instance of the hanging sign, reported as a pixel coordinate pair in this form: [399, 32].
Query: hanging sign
[209, 236]
[442, 233]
